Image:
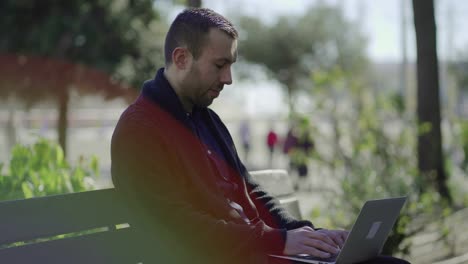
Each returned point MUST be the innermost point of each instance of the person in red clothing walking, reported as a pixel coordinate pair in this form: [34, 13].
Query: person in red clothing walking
[272, 141]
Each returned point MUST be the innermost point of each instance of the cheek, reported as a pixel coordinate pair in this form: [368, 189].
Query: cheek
[211, 71]
[211, 76]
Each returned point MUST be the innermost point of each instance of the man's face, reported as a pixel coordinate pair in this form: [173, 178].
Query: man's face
[212, 70]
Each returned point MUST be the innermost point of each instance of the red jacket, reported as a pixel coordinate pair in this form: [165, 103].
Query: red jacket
[272, 139]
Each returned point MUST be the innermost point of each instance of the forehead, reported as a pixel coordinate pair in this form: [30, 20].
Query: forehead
[219, 45]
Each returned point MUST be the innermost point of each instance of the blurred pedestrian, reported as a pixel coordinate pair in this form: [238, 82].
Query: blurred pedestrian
[289, 143]
[244, 131]
[301, 154]
[298, 146]
[272, 141]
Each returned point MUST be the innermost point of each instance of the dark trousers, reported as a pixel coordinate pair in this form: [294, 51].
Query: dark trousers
[385, 260]
[376, 260]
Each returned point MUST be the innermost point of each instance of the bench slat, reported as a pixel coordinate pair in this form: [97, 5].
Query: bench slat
[106, 247]
[27, 219]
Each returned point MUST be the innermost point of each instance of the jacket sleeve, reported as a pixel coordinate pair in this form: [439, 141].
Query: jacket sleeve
[268, 207]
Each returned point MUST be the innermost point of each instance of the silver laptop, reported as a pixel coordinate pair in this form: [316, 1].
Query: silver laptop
[367, 236]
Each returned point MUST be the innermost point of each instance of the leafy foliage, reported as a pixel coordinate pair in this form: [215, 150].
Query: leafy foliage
[373, 155]
[41, 169]
[121, 38]
[100, 34]
[294, 47]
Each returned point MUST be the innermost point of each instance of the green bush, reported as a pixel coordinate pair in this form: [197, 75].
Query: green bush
[41, 169]
[371, 154]
[379, 164]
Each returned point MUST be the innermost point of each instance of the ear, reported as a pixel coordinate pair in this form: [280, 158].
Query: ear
[181, 58]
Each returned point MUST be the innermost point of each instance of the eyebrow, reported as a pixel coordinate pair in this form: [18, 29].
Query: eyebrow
[228, 60]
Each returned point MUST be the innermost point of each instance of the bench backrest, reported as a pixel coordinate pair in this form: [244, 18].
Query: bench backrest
[87, 227]
[90, 227]
[278, 184]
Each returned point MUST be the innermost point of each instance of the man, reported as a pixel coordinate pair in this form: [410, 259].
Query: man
[175, 160]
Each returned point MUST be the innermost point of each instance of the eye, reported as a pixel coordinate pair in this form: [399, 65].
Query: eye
[219, 66]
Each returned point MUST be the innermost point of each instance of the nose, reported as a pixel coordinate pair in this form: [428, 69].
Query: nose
[226, 76]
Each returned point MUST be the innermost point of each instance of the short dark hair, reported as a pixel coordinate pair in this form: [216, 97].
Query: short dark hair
[191, 28]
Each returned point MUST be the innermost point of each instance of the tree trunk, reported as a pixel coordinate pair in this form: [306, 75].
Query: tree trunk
[62, 121]
[430, 156]
[194, 3]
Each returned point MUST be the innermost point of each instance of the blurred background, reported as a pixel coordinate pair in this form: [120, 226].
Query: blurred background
[357, 99]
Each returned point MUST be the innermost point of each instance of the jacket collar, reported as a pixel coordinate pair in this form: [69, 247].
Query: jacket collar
[160, 92]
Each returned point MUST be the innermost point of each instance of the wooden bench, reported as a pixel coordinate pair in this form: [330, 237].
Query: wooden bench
[89, 227]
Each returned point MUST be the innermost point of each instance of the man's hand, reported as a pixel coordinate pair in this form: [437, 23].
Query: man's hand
[321, 243]
[338, 236]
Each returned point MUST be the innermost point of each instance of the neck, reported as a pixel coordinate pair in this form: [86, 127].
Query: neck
[175, 83]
